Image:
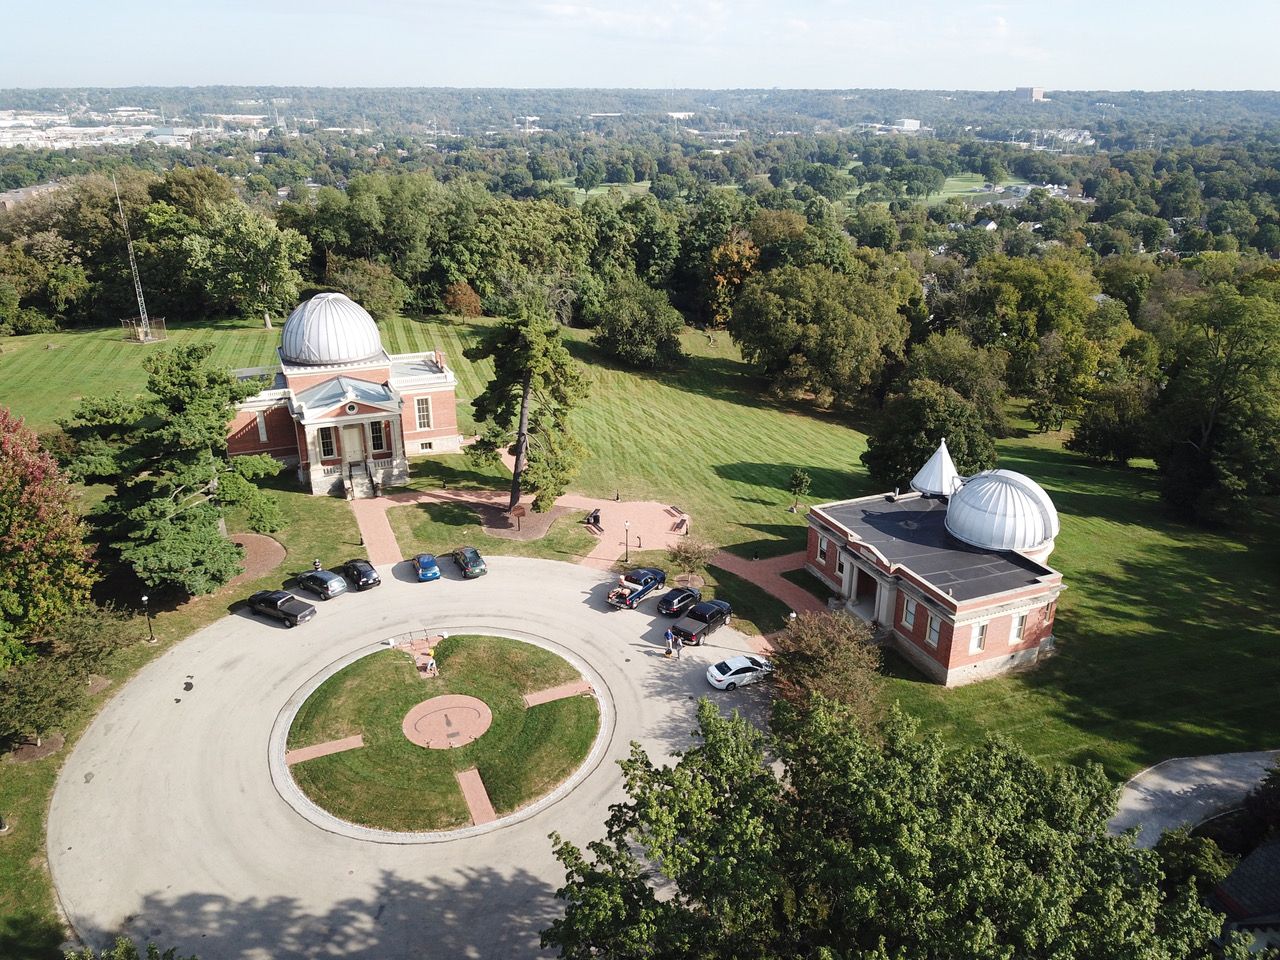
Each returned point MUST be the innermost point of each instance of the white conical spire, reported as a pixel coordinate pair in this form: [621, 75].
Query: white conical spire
[937, 477]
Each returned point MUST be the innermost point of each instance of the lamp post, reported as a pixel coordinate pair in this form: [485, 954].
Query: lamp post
[146, 608]
[627, 539]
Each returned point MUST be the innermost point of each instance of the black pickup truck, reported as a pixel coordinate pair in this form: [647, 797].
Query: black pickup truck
[635, 586]
[283, 606]
[701, 620]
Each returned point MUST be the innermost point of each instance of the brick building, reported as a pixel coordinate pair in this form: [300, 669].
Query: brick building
[952, 574]
[340, 408]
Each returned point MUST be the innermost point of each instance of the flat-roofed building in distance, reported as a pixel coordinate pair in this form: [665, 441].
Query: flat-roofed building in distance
[952, 574]
[343, 410]
[1030, 94]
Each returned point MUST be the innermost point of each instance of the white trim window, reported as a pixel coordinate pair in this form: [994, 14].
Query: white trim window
[934, 634]
[840, 564]
[262, 427]
[909, 613]
[327, 449]
[822, 548]
[1018, 628]
[378, 436]
[422, 406]
[978, 640]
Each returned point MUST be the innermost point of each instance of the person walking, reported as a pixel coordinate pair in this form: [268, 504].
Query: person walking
[670, 638]
[678, 644]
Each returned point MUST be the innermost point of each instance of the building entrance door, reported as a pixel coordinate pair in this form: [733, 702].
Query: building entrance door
[353, 443]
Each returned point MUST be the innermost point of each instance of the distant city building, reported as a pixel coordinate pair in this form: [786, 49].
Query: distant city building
[906, 124]
[953, 573]
[1030, 94]
[340, 408]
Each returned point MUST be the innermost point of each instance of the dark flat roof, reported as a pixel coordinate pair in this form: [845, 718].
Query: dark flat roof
[910, 531]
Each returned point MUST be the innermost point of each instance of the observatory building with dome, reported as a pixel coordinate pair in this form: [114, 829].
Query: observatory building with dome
[952, 573]
[341, 409]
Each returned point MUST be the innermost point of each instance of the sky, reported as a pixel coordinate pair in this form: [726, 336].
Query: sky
[918, 44]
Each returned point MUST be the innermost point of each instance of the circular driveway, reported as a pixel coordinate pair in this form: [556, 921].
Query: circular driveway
[165, 824]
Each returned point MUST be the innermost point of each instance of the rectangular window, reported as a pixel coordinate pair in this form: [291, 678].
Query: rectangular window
[426, 446]
[840, 564]
[935, 631]
[909, 613]
[262, 428]
[424, 413]
[377, 435]
[978, 641]
[326, 443]
[822, 549]
[1016, 631]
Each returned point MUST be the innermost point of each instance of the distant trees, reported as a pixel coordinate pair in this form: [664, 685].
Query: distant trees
[913, 423]
[372, 285]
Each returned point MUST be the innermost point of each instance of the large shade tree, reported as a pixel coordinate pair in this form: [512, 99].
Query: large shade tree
[525, 408]
[866, 852]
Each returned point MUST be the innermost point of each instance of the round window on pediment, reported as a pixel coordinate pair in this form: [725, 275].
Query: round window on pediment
[352, 408]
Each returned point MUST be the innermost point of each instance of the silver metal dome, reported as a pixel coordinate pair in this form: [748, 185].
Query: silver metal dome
[1003, 510]
[328, 329]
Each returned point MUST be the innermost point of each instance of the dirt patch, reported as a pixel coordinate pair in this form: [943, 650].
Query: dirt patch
[532, 526]
[29, 751]
[262, 554]
[97, 684]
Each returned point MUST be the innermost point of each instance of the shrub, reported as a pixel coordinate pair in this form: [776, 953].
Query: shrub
[460, 299]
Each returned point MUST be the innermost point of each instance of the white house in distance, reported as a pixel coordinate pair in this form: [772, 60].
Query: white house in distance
[953, 573]
[344, 411]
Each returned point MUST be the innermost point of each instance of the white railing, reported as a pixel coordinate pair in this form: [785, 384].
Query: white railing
[386, 464]
[330, 471]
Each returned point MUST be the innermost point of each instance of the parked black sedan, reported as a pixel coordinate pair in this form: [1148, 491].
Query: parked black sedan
[676, 602]
[361, 574]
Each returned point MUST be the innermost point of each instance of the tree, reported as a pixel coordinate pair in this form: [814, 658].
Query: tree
[248, 262]
[1197, 861]
[637, 325]
[126, 949]
[976, 373]
[1217, 423]
[814, 331]
[859, 850]
[1262, 803]
[831, 655]
[1113, 427]
[526, 405]
[372, 285]
[1060, 376]
[166, 454]
[911, 426]
[45, 569]
[35, 695]
[461, 300]
[798, 486]
[690, 554]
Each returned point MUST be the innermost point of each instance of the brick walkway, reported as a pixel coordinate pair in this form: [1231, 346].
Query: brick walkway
[556, 693]
[324, 749]
[477, 797]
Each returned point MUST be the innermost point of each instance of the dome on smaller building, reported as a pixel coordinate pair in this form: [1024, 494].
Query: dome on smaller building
[329, 329]
[1003, 510]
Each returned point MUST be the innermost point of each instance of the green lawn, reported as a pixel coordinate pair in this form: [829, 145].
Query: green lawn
[393, 784]
[962, 185]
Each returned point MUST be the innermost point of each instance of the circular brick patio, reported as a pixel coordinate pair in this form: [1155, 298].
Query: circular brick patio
[448, 721]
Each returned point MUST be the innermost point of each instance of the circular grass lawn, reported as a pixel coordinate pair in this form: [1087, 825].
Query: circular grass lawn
[392, 784]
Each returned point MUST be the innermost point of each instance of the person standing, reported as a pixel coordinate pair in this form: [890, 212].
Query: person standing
[670, 637]
[678, 644]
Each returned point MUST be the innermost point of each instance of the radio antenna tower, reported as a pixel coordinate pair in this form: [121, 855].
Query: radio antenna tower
[141, 326]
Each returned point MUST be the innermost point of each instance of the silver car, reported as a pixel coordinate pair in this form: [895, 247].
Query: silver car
[324, 584]
[738, 671]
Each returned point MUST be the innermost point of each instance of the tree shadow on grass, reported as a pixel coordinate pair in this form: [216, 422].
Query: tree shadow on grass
[481, 913]
[30, 936]
[826, 484]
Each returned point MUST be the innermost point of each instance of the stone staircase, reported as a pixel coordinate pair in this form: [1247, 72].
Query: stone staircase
[358, 485]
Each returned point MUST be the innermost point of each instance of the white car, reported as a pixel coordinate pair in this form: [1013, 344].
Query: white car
[736, 671]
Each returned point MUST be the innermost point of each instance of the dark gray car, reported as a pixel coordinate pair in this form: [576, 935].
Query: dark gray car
[324, 584]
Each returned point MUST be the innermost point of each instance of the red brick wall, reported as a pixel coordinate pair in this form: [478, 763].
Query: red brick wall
[444, 419]
[281, 434]
[298, 382]
[827, 566]
[1034, 631]
[917, 634]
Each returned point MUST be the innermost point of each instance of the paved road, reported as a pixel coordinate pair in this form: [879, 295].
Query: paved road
[165, 824]
[1185, 791]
